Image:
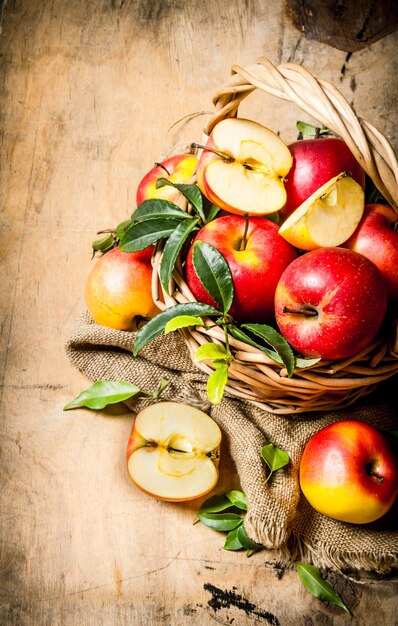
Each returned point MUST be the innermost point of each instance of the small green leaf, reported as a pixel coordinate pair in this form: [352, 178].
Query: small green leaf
[277, 342]
[309, 130]
[155, 327]
[224, 522]
[274, 457]
[239, 334]
[212, 351]
[273, 217]
[104, 244]
[182, 321]
[232, 540]
[102, 393]
[237, 498]
[215, 504]
[211, 213]
[214, 274]
[172, 249]
[312, 579]
[245, 540]
[158, 392]
[216, 383]
[190, 191]
[303, 363]
[140, 235]
[157, 208]
[122, 228]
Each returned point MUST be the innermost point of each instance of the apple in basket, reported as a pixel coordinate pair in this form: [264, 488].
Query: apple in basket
[178, 168]
[256, 255]
[243, 166]
[315, 163]
[173, 451]
[376, 237]
[349, 472]
[118, 288]
[330, 303]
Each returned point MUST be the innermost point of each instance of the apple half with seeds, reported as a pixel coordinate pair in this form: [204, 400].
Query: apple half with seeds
[243, 166]
[328, 217]
[173, 451]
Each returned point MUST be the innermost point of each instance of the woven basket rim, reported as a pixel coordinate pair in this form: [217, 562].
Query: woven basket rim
[252, 375]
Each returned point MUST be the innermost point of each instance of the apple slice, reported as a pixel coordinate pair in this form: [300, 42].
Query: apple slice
[173, 451]
[328, 217]
[242, 168]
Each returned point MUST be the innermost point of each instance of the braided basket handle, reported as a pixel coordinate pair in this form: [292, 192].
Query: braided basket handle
[322, 101]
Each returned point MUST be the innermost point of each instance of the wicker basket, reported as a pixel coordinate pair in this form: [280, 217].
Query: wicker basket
[252, 375]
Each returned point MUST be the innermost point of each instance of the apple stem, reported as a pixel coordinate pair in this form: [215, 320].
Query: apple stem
[243, 241]
[306, 310]
[223, 155]
[163, 168]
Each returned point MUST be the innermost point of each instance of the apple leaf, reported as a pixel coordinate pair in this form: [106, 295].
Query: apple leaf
[245, 540]
[122, 228]
[214, 274]
[232, 540]
[309, 130]
[140, 235]
[212, 352]
[211, 213]
[239, 334]
[277, 342]
[303, 363]
[237, 498]
[312, 579]
[102, 393]
[104, 244]
[190, 191]
[223, 522]
[158, 208]
[217, 503]
[274, 457]
[182, 321]
[172, 249]
[155, 327]
[216, 382]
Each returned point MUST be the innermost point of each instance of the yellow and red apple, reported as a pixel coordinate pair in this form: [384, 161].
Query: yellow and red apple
[119, 288]
[330, 303]
[243, 167]
[178, 169]
[376, 237]
[173, 451]
[349, 472]
[256, 259]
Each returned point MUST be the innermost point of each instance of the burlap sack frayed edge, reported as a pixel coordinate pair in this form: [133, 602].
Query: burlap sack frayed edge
[284, 545]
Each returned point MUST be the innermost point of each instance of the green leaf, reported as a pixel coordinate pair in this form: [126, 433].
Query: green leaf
[190, 191]
[104, 244]
[273, 217]
[155, 327]
[182, 321]
[232, 540]
[303, 363]
[212, 351]
[309, 130]
[214, 274]
[216, 383]
[172, 249]
[274, 457]
[140, 235]
[215, 504]
[277, 342]
[224, 522]
[245, 540]
[102, 393]
[211, 213]
[312, 579]
[157, 208]
[239, 334]
[237, 498]
[122, 228]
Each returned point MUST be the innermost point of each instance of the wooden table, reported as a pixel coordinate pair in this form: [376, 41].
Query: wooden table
[90, 93]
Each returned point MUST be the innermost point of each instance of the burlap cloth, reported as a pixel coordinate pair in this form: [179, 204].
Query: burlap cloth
[278, 516]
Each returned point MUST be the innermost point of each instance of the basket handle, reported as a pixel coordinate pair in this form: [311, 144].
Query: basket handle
[322, 101]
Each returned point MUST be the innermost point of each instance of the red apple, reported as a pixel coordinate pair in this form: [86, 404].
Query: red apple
[376, 238]
[256, 265]
[330, 303]
[178, 169]
[349, 472]
[315, 162]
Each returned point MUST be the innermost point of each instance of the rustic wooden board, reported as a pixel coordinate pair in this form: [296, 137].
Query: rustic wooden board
[89, 92]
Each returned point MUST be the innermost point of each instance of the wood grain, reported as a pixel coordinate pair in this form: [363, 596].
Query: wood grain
[90, 93]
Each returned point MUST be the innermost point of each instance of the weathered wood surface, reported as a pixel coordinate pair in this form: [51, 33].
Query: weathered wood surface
[89, 91]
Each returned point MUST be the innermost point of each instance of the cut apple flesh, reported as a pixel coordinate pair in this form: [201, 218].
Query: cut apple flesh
[251, 179]
[173, 451]
[328, 217]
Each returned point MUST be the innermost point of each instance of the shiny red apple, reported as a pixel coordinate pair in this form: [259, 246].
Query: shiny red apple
[376, 237]
[315, 162]
[256, 261]
[330, 303]
[349, 472]
[178, 168]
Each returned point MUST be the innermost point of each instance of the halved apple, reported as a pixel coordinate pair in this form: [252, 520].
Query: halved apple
[242, 168]
[328, 217]
[173, 451]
